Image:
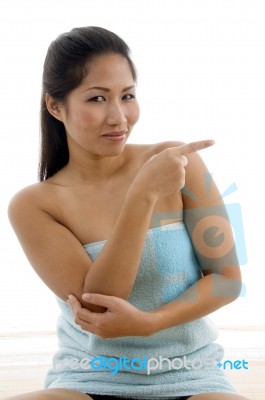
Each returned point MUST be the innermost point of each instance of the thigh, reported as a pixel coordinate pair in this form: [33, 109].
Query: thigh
[52, 394]
[217, 396]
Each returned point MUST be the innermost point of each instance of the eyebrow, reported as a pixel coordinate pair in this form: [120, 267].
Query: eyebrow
[108, 90]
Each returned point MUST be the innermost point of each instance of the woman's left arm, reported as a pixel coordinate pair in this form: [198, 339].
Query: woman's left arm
[211, 234]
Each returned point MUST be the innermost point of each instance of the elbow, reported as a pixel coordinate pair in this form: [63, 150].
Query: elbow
[88, 288]
[78, 302]
[234, 291]
[90, 306]
[226, 287]
[93, 307]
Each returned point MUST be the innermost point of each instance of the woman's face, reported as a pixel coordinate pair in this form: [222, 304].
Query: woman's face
[100, 113]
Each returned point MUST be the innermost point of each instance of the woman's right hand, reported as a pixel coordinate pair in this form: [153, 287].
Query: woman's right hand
[164, 173]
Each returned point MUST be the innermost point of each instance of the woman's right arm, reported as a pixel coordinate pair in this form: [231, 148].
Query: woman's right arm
[61, 261]
[59, 258]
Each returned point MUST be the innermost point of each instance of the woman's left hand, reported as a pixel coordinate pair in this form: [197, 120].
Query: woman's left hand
[120, 318]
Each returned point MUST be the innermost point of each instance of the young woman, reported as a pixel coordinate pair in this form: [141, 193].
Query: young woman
[112, 231]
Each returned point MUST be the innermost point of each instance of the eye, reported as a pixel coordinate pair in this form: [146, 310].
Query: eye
[128, 97]
[97, 99]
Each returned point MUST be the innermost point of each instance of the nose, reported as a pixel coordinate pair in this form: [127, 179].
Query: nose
[116, 114]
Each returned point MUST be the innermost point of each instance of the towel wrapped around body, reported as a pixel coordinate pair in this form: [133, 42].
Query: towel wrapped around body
[178, 361]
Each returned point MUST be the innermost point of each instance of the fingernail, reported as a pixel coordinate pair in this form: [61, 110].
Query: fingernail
[70, 298]
[86, 296]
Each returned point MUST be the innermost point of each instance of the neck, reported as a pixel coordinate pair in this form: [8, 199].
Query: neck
[94, 169]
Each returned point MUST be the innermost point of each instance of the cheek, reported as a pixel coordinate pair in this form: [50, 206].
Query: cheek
[85, 118]
[134, 113]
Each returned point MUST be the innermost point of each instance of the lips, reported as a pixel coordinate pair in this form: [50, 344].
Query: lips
[116, 133]
[115, 136]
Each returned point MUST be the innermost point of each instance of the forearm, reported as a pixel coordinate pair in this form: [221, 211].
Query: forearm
[115, 269]
[207, 295]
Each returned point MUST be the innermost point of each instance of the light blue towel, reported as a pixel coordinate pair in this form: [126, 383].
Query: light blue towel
[168, 267]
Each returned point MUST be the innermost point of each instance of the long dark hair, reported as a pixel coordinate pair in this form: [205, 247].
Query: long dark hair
[64, 69]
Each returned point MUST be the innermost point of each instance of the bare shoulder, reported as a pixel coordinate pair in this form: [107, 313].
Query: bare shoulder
[33, 216]
[24, 197]
[35, 207]
[29, 201]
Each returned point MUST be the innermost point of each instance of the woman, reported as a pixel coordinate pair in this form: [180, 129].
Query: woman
[111, 233]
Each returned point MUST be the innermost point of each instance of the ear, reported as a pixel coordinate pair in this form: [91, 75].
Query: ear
[54, 107]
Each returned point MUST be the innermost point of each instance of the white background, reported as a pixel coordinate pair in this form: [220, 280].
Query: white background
[201, 68]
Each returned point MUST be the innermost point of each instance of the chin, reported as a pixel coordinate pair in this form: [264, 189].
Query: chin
[114, 149]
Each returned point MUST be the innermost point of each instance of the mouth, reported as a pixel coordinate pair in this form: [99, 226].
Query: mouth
[115, 136]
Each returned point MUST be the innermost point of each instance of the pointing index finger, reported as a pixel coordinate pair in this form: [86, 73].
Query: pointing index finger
[195, 146]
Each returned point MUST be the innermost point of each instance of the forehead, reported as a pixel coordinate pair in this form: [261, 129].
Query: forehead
[109, 69]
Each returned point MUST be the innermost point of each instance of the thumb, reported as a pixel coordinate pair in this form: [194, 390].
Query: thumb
[98, 299]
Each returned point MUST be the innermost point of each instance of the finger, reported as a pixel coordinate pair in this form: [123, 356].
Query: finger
[80, 313]
[194, 146]
[74, 303]
[98, 299]
[78, 310]
[86, 316]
